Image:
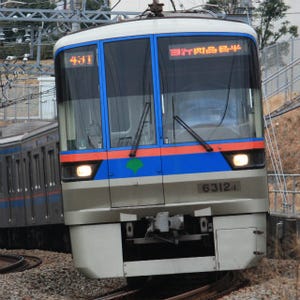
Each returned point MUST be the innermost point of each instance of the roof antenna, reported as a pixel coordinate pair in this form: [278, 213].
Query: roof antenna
[156, 8]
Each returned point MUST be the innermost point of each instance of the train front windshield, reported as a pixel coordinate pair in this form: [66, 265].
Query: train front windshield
[78, 95]
[210, 83]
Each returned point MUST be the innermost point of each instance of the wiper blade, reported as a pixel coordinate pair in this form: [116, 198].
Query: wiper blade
[139, 131]
[197, 137]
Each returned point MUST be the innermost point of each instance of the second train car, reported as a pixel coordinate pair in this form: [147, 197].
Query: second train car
[162, 147]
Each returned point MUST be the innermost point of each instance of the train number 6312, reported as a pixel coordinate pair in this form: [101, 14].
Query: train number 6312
[214, 187]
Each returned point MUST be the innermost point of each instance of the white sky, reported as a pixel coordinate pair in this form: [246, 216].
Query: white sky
[293, 14]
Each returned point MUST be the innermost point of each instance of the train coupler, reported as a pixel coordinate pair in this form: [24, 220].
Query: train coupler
[164, 223]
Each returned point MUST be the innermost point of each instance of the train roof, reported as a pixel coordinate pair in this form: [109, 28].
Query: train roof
[155, 26]
[16, 132]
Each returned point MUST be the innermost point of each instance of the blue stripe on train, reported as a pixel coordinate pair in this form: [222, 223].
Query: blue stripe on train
[166, 165]
[37, 200]
[194, 163]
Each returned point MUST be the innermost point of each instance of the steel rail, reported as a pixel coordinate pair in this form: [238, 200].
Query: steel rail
[8, 263]
[229, 282]
[17, 263]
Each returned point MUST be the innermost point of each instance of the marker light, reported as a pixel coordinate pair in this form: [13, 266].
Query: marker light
[84, 171]
[240, 160]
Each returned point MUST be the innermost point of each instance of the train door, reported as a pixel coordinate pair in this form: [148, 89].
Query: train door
[52, 183]
[4, 204]
[35, 203]
[28, 187]
[40, 201]
[2, 197]
[16, 205]
[134, 161]
[19, 207]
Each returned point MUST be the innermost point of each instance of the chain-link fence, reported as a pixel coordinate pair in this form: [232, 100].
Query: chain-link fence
[284, 193]
[281, 71]
[281, 91]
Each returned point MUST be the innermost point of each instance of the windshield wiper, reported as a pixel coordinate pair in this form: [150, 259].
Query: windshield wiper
[139, 131]
[198, 138]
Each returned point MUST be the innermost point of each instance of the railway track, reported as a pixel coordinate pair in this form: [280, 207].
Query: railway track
[190, 287]
[17, 263]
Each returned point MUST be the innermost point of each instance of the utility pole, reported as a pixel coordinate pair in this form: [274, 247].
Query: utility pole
[75, 6]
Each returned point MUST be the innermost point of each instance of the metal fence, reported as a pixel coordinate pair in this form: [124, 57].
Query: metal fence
[29, 100]
[281, 70]
[284, 194]
[281, 90]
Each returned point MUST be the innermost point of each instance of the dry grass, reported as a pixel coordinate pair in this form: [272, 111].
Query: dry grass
[285, 133]
[273, 103]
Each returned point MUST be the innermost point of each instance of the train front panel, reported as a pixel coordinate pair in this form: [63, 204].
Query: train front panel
[162, 148]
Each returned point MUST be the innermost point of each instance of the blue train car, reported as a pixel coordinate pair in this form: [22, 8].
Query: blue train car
[30, 188]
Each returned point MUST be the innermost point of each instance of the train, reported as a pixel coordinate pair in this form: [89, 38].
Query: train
[31, 206]
[162, 151]
[162, 147]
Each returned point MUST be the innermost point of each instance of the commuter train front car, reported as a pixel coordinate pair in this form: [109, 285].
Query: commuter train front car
[162, 148]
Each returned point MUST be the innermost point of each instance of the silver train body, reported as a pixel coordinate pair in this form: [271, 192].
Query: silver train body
[162, 148]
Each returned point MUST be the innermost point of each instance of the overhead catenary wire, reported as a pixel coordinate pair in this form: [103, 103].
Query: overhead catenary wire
[27, 97]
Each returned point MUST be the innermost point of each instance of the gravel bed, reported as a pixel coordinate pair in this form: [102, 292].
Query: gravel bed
[275, 279]
[57, 279]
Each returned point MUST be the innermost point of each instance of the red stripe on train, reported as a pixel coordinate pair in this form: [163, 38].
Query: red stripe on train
[92, 156]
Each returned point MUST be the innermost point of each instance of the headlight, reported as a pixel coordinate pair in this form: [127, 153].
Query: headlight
[84, 171]
[240, 160]
[79, 171]
[245, 159]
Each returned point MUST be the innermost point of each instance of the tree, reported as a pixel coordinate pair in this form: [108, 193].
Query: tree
[265, 17]
[268, 13]
[94, 4]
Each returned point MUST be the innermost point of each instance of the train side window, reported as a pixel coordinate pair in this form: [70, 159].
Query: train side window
[56, 163]
[51, 168]
[25, 175]
[44, 171]
[18, 175]
[9, 174]
[1, 178]
[36, 171]
[30, 171]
